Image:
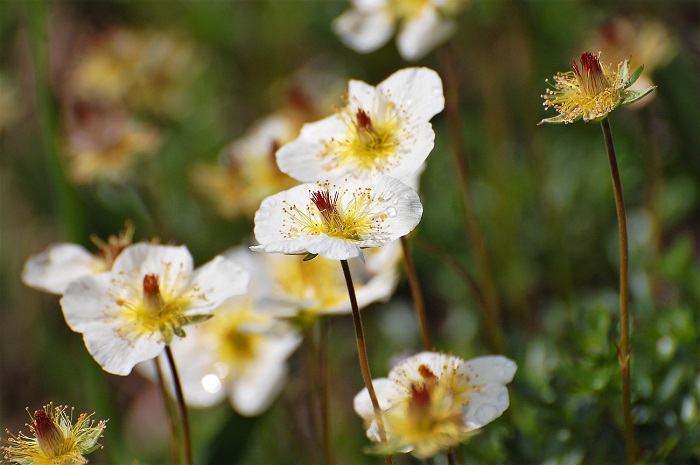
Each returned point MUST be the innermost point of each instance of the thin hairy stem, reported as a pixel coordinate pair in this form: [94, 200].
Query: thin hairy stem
[362, 354]
[492, 311]
[416, 294]
[624, 348]
[172, 423]
[187, 442]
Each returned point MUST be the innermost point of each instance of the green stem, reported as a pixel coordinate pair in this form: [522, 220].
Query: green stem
[171, 413]
[187, 442]
[362, 354]
[416, 294]
[491, 305]
[624, 348]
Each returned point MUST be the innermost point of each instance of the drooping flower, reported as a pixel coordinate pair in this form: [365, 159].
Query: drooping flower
[592, 91]
[336, 220]
[646, 41]
[432, 401]
[128, 315]
[383, 130]
[425, 24]
[55, 439]
[60, 264]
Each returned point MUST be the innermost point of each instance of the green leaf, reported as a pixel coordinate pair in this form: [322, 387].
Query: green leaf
[632, 79]
[634, 95]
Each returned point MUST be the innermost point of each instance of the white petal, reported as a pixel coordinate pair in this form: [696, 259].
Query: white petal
[330, 247]
[92, 299]
[216, 281]
[388, 394]
[54, 269]
[490, 369]
[421, 34]
[254, 391]
[362, 95]
[487, 403]
[364, 32]
[289, 247]
[418, 90]
[115, 354]
[170, 263]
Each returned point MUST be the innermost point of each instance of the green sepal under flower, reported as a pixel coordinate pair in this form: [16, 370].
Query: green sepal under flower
[592, 91]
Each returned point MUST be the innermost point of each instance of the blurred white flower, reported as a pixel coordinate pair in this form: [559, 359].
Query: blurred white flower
[128, 315]
[424, 24]
[60, 264]
[432, 401]
[383, 130]
[336, 221]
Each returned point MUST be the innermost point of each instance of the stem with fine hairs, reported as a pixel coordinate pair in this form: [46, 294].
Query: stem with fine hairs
[491, 305]
[362, 354]
[416, 294]
[174, 450]
[187, 442]
[624, 348]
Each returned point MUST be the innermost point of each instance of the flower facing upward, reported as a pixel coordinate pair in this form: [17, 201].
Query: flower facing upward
[425, 24]
[60, 264]
[383, 130]
[128, 314]
[56, 440]
[432, 401]
[591, 91]
[336, 221]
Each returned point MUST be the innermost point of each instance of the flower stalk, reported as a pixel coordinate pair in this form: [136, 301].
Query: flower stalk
[362, 353]
[417, 295]
[624, 348]
[186, 437]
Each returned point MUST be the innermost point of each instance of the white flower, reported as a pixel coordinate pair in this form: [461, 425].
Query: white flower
[425, 24]
[128, 314]
[432, 401]
[290, 287]
[60, 264]
[336, 221]
[383, 130]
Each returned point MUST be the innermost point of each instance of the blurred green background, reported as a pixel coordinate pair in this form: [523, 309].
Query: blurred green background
[543, 197]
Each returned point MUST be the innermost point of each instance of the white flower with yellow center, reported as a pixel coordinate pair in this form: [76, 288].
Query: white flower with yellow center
[383, 130]
[128, 315]
[60, 264]
[336, 220]
[425, 24]
[432, 401]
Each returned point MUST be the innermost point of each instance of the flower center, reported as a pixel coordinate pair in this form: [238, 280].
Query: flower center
[50, 438]
[371, 139]
[591, 78]
[327, 214]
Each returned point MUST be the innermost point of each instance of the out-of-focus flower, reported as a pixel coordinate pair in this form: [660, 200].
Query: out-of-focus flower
[145, 70]
[648, 42]
[383, 130]
[60, 264]
[128, 315]
[248, 171]
[432, 401]
[334, 220]
[305, 290]
[55, 439]
[103, 141]
[10, 109]
[425, 24]
[591, 91]
[241, 353]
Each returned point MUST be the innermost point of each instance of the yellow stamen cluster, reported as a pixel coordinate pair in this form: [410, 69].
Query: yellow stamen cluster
[55, 439]
[430, 416]
[591, 92]
[155, 309]
[330, 215]
[109, 250]
[372, 138]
